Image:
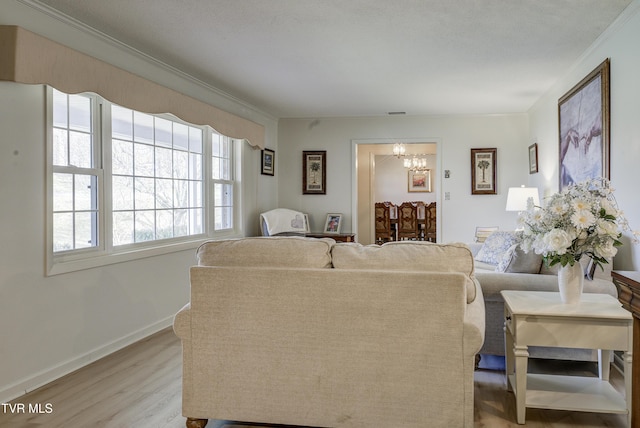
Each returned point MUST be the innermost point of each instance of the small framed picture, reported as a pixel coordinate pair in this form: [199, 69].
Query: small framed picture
[483, 171]
[419, 181]
[268, 162]
[314, 172]
[533, 158]
[333, 223]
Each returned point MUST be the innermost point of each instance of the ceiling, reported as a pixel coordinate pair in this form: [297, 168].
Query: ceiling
[327, 58]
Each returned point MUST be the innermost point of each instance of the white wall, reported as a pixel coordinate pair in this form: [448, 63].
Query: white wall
[620, 44]
[392, 180]
[52, 325]
[456, 134]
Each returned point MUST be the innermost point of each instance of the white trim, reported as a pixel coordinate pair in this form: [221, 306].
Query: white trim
[46, 376]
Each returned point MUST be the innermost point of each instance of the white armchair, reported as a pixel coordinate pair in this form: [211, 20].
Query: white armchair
[283, 221]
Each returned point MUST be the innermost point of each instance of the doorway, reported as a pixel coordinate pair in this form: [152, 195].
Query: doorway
[377, 172]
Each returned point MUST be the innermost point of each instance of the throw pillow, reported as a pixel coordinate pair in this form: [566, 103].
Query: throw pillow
[515, 260]
[495, 246]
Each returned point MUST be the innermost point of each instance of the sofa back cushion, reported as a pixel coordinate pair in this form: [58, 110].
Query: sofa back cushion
[287, 252]
[408, 256]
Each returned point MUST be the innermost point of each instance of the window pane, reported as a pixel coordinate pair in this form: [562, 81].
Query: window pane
[122, 193]
[163, 132]
[164, 224]
[145, 226]
[123, 228]
[215, 168]
[60, 147]
[142, 127]
[195, 140]
[224, 218]
[60, 110]
[62, 231]
[122, 157]
[62, 192]
[121, 123]
[195, 221]
[195, 166]
[195, 194]
[180, 164]
[180, 136]
[181, 194]
[80, 150]
[79, 113]
[143, 160]
[223, 194]
[181, 223]
[164, 194]
[164, 162]
[144, 194]
[85, 226]
[84, 193]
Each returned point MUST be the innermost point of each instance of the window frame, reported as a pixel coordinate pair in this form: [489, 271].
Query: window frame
[105, 252]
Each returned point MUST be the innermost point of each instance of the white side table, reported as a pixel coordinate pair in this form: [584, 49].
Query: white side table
[534, 318]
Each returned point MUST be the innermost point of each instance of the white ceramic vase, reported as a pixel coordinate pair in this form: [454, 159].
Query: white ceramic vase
[570, 283]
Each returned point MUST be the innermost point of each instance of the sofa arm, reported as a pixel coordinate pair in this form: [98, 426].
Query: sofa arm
[182, 322]
[474, 323]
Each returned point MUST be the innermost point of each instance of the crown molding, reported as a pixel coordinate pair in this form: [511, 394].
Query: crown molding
[105, 38]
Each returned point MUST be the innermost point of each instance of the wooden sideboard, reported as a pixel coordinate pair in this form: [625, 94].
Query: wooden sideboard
[628, 284]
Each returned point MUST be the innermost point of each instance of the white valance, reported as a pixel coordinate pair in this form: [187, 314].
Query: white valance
[26, 57]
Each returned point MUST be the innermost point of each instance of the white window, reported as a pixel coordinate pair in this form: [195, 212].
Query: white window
[122, 180]
[76, 176]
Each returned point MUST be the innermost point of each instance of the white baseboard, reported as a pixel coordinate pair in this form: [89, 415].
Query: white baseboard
[28, 384]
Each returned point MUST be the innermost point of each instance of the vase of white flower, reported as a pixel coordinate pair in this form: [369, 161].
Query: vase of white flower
[570, 283]
[581, 220]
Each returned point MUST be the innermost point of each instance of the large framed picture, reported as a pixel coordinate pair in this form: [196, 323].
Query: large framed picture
[268, 164]
[314, 172]
[333, 223]
[533, 158]
[419, 181]
[583, 119]
[483, 171]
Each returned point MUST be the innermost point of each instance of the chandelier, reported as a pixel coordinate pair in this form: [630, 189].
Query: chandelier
[416, 164]
[398, 149]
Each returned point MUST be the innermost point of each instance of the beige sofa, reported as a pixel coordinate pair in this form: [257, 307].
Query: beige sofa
[303, 331]
[527, 272]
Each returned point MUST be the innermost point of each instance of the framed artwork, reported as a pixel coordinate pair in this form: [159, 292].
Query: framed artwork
[333, 223]
[483, 171]
[314, 172]
[583, 119]
[533, 158]
[419, 181]
[268, 162]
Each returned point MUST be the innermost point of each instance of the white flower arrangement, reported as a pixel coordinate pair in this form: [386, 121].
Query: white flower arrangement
[582, 219]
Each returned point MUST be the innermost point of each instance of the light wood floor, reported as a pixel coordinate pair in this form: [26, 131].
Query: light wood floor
[140, 386]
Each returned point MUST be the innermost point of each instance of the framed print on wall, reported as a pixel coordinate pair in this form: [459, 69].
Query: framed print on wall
[483, 171]
[533, 158]
[268, 163]
[583, 119]
[333, 223]
[419, 181]
[314, 172]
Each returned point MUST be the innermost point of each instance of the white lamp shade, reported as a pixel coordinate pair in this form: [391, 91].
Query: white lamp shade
[518, 196]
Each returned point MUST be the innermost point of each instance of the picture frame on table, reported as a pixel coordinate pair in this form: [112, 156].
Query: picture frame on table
[483, 171]
[419, 181]
[333, 223]
[268, 162]
[314, 172]
[533, 158]
[584, 129]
